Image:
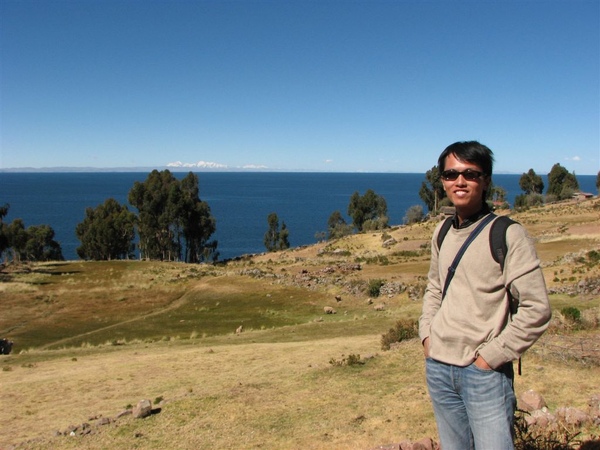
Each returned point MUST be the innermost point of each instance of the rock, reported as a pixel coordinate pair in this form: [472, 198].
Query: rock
[425, 444]
[390, 242]
[531, 401]
[104, 421]
[142, 409]
[123, 413]
[392, 288]
[329, 310]
[594, 407]
[540, 418]
[572, 416]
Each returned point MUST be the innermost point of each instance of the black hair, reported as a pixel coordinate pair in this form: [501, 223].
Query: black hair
[470, 151]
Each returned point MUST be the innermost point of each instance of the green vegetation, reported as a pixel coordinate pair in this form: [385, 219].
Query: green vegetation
[337, 226]
[403, 330]
[375, 287]
[368, 212]
[561, 183]
[173, 223]
[432, 190]
[414, 214]
[276, 238]
[531, 183]
[107, 232]
[34, 243]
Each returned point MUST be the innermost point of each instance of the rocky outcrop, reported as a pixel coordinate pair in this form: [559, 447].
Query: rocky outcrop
[423, 444]
[541, 419]
[587, 286]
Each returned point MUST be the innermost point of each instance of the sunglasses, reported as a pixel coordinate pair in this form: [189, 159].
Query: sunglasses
[469, 175]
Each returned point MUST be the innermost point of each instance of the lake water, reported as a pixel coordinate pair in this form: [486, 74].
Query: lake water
[239, 201]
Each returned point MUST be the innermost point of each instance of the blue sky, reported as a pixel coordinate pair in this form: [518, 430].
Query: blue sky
[377, 86]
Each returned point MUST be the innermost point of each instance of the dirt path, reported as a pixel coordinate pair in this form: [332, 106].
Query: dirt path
[177, 303]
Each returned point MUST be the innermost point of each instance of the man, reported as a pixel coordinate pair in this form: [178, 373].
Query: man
[470, 337]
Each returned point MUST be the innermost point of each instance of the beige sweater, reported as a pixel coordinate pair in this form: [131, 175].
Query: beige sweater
[474, 316]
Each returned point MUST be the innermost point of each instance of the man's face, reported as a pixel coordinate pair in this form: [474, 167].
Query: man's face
[465, 195]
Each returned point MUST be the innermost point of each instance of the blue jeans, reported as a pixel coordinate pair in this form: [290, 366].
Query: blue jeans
[474, 408]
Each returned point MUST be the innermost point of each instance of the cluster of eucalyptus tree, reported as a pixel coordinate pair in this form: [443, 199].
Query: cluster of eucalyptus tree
[562, 184]
[172, 222]
[34, 243]
[368, 212]
[276, 238]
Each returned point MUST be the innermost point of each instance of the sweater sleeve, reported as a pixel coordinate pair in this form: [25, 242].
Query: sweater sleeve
[432, 298]
[525, 281]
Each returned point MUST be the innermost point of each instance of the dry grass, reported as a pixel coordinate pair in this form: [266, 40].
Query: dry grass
[273, 386]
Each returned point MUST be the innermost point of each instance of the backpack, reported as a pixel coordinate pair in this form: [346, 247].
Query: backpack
[498, 246]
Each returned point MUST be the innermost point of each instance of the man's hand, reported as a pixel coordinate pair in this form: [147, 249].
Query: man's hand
[426, 347]
[482, 364]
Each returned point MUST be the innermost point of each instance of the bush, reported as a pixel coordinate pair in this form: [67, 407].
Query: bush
[404, 329]
[527, 438]
[526, 201]
[414, 214]
[571, 314]
[593, 257]
[375, 287]
[351, 360]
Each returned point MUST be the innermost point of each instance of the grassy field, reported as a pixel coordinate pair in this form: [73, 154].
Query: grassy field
[94, 338]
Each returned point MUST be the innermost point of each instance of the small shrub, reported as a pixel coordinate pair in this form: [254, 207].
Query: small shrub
[375, 287]
[351, 360]
[404, 329]
[414, 214]
[407, 254]
[593, 257]
[528, 439]
[571, 314]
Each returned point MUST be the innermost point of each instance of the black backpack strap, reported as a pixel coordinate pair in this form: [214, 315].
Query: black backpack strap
[499, 250]
[498, 239]
[452, 269]
[443, 231]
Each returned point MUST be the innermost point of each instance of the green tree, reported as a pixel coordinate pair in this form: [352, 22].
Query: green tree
[155, 215]
[561, 183]
[40, 245]
[17, 239]
[275, 238]
[284, 237]
[497, 194]
[3, 238]
[107, 232]
[197, 223]
[432, 190]
[337, 226]
[368, 211]
[172, 219]
[497, 197]
[414, 214]
[531, 183]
